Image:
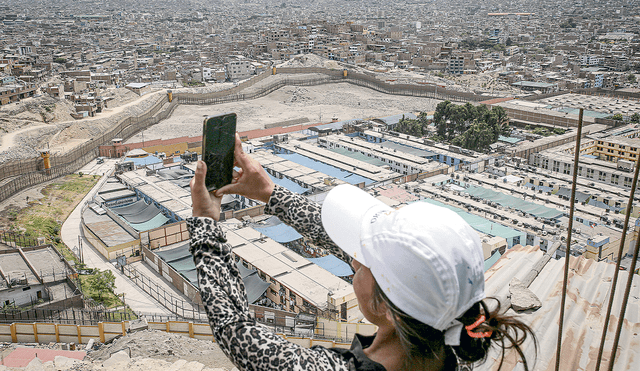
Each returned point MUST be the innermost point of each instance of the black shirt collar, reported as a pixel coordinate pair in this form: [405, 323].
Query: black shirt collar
[358, 361]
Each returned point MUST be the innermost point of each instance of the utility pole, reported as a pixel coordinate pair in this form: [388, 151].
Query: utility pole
[80, 252]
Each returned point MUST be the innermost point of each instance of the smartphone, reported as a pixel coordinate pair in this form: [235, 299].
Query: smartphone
[218, 142]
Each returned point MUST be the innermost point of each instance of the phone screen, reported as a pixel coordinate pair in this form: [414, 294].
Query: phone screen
[218, 141]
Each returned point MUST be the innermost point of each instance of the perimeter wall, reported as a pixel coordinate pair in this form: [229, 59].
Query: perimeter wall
[21, 174]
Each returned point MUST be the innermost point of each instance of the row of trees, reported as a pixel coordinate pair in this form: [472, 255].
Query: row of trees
[471, 127]
[417, 128]
[635, 118]
[467, 126]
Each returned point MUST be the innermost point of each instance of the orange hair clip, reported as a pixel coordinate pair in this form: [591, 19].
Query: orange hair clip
[477, 335]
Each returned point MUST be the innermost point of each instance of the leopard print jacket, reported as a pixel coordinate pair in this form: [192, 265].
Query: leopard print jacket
[249, 345]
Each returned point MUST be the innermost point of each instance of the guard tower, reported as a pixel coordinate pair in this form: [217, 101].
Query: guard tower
[117, 148]
[46, 156]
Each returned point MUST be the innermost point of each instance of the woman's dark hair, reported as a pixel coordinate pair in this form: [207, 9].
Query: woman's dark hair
[422, 342]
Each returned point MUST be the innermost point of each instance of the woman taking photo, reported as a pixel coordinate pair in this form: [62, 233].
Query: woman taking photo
[418, 277]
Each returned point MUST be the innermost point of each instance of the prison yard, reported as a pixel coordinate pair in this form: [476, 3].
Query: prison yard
[103, 252]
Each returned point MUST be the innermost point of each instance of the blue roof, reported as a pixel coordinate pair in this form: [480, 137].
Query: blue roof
[566, 193]
[289, 184]
[332, 171]
[333, 125]
[511, 140]
[156, 222]
[602, 205]
[143, 161]
[280, 233]
[180, 259]
[334, 265]
[539, 187]
[590, 156]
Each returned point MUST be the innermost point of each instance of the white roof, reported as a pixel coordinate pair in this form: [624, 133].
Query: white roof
[137, 85]
[290, 269]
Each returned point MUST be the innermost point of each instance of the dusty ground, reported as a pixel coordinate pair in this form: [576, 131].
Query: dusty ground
[487, 82]
[35, 123]
[150, 350]
[166, 346]
[318, 103]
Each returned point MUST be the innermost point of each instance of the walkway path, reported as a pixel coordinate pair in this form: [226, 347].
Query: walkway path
[135, 297]
[8, 139]
[185, 305]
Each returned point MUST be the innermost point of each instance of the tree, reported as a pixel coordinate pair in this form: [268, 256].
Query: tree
[541, 131]
[441, 118]
[617, 117]
[411, 127]
[570, 23]
[632, 78]
[469, 126]
[100, 282]
[60, 60]
[635, 118]
[479, 137]
[509, 42]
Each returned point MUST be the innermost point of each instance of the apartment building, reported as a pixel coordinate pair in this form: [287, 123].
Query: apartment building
[455, 66]
[239, 69]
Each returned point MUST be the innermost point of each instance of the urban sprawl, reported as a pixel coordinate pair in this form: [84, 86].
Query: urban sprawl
[471, 105]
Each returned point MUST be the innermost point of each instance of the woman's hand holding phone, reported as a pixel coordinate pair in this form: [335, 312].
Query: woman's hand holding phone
[251, 180]
[203, 202]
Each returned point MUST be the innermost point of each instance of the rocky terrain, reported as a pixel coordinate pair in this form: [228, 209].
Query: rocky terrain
[320, 103]
[40, 122]
[138, 351]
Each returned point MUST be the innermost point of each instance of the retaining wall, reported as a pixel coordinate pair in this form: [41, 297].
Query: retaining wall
[44, 333]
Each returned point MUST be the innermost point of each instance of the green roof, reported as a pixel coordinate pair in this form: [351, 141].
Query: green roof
[481, 224]
[357, 156]
[511, 140]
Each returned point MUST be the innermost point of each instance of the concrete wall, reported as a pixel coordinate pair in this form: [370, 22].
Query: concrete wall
[110, 252]
[23, 295]
[238, 214]
[343, 330]
[49, 332]
[610, 249]
[165, 235]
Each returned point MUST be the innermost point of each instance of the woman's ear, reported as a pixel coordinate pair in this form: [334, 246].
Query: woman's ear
[389, 315]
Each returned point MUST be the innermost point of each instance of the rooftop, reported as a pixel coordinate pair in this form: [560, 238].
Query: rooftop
[300, 275]
[588, 294]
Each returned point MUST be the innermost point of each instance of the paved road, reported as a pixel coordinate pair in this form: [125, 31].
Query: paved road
[137, 299]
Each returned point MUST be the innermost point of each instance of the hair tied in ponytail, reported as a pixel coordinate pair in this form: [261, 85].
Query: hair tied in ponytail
[478, 335]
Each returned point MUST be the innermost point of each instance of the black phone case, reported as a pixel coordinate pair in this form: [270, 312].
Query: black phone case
[218, 142]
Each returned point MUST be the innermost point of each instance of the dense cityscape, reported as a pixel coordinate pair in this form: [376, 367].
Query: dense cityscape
[480, 107]
[565, 46]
